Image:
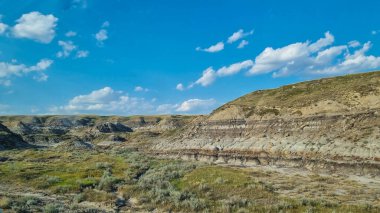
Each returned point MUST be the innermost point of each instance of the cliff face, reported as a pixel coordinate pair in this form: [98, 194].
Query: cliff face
[328, 123]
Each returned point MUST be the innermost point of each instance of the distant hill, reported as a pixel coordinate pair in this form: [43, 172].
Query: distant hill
[341, 94]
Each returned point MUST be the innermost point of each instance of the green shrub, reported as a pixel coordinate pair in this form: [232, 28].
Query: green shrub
[24, 204]
[5, 203]
[52, 208]
[107, 182]
[78, 198]
[103, 165]
[51, 180]
[87, 183]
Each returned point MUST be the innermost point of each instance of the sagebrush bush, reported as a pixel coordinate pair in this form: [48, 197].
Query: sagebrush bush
[5, 202]
[103, 165]
[52, 208]
[51, 180]
[107, 182]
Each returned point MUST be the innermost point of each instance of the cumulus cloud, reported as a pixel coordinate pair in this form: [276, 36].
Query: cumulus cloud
[319, 58]
[196, 105]
[36, 26]
[354, 43]
[141, 89]
[234, 68]
[375, 32]
[238, 35]
[67, 48]
[180, 87]
[213, 48]
[209, 75]
[82, 54]
[70, 34]
[193, 106]
[3, 28]
[105, 101]
[301, 58]
[78, 4]
[233, 38]
[8, 70]
[242, 44]
[105, 24]
[353, 62]
[102, 34]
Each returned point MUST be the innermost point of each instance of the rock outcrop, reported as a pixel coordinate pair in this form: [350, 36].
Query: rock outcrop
[53, 130]
[10, 140]
[326, 124]
[108, 127]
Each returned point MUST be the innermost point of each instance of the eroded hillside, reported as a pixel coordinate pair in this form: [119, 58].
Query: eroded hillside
[331, 123]
[87, 163]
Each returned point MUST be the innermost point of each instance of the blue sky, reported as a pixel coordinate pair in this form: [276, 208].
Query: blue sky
[180, 57]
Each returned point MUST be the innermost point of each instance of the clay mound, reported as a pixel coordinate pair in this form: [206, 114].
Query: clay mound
[10, 140]
[108, 127]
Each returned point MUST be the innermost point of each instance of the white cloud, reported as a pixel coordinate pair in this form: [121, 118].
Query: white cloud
[141, 89]
[212, 49]
[238, 35]
[40, 66]
[193, 105]
[322, 42]
[67, 48]
[234, 68]
[8, 70]
[355, 62]
[315, 59]
[105, 101]
[36, 26]
[105, 24]
[70, 34]
[82, 54]
[242, 44]
[209, 75]
[41, 77]
[78, 4]
[354, 44]
[3, 28]
[180, 87]
[102, 34]
[304, 58]
[271, 59]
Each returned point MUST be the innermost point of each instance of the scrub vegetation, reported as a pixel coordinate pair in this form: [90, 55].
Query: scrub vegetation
[123, 179]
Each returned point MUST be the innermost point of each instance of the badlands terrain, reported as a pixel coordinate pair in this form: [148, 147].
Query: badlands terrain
[308, 147]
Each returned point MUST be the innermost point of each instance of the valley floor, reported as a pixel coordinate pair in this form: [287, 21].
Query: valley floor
[122, 179]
